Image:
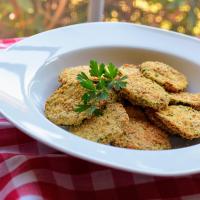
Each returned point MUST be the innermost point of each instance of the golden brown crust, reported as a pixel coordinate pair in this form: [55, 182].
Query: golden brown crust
[143, 91]
[59, 107]
[69, 74]
[141, 134]
[104, 128]
[150, 113]
[129, 69]
[171, 79]
[181, 120]
[186, 98]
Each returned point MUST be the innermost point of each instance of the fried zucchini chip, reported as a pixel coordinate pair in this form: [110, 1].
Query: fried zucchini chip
[59, 107]
[171, 79]
[104, 128]
[141, 134]
[143, 91]
[185, 98]
[181, 120]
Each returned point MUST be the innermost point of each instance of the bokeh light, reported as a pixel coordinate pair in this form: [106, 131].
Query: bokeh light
[28, 17]
[182, 16]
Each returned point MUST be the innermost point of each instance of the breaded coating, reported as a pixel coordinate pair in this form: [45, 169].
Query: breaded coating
[129, 69]
[181, 120]
[69, 74]
[104, 128]
[143, 91]
[186, 98]
[59, 107]
[150, 113]
[171, 79]
[141, 134]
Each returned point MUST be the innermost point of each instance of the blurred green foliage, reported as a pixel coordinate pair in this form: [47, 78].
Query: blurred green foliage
[27, 17]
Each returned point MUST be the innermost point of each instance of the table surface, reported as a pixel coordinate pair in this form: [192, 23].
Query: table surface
[30, 170]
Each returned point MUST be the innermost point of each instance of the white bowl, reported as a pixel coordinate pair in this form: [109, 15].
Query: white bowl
[29, 71]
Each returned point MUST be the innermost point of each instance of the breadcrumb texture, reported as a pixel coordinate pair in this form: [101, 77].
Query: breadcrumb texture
[59, 107]
[171, 79]
[105, 128]
[69, 74]
[185, 98]
[143, 91]
[141, 134]
[150, 113]
[129, 69]
[181, 120]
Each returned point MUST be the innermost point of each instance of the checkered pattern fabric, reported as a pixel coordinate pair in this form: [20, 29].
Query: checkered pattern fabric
[30, 170]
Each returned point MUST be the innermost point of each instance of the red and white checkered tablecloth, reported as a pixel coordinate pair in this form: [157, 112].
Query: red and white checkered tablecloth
[30, 170]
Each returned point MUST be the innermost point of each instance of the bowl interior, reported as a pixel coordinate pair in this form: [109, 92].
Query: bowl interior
[45, 80]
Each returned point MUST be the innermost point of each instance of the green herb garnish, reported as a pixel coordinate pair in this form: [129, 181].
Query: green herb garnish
[98, 90]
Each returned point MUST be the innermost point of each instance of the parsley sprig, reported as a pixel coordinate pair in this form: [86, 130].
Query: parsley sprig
[105, 79]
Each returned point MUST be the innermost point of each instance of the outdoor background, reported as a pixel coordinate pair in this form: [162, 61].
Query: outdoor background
[20, 18]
